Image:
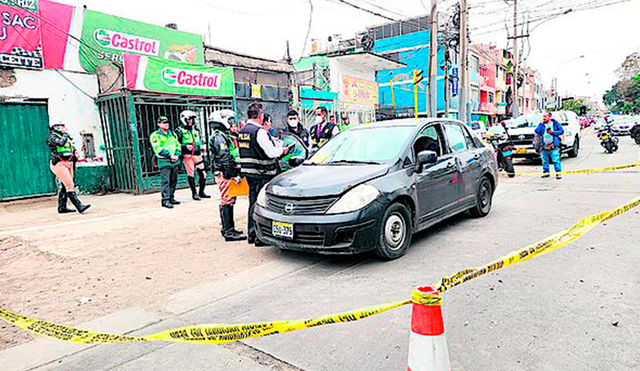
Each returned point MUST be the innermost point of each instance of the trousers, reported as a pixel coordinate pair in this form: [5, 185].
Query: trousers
[63, 170]
[169, 176]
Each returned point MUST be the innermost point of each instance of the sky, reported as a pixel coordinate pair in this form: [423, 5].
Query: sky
[262, 28]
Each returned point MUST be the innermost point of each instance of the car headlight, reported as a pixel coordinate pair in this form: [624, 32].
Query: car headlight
[355, 199]
[262, 197]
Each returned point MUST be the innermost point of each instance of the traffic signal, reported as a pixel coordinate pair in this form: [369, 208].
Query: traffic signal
[417, 76]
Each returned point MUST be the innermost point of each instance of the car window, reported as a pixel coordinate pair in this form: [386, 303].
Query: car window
[471, 144]
[429, 140]
[455, 137]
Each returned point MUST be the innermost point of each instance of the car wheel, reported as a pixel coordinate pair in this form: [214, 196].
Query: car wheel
[395, 232]
[573, 153]
[484, 199]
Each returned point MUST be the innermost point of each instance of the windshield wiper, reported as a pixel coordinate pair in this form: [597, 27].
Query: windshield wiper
[353, 162]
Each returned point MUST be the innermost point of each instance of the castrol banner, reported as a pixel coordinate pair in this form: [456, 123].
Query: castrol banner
[164, 76]
[20, 34]
[106, 37]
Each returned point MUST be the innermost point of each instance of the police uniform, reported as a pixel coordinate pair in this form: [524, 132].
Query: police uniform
[320, 134]
[258, 154]
[225, 168]
[301, 133]
[189, 136]
[166, 145]
[63, 158]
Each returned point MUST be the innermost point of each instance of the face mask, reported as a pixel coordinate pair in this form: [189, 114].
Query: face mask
[293, 123]
[319, 119]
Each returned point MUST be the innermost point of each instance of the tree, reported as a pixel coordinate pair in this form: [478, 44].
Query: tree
[575, 105]
[624, 96]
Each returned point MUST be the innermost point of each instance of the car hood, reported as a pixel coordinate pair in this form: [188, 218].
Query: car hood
[323, 180]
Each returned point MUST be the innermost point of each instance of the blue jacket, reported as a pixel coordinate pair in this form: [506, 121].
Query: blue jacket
[558, 131]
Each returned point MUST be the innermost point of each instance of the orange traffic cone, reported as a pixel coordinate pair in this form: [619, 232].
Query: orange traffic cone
[428, 344]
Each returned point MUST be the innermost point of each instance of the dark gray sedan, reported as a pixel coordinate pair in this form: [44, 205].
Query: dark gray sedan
[372, 187]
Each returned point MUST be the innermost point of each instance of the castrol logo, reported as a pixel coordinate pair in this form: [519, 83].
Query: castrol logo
[191, 79]
[125, 42]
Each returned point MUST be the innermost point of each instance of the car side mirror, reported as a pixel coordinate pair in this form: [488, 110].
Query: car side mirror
[296, 161]
[425, 158]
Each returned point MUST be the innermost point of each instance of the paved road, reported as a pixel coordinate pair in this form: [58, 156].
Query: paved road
[574, 309]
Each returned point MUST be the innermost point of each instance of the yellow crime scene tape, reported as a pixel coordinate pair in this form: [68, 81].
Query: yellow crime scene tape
[225, 333]
[584, 171]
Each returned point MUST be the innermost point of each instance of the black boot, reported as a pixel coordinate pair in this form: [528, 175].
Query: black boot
[73, 197]
[62, 202]
[227, 232]
[192, 185]
[202, 182]
[233, 221]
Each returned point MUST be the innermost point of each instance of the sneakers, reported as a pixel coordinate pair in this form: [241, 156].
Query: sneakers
[558, 176]
[545, 175]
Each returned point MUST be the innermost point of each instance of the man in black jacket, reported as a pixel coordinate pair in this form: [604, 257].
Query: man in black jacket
[322, 131]
[225, 168]
[295, 127]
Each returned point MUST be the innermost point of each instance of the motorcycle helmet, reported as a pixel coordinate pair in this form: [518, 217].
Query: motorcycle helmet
[185, 115]
[55, 124]
[226, 117]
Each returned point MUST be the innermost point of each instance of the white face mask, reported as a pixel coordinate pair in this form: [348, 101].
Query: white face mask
[293, 123]
[319, 119]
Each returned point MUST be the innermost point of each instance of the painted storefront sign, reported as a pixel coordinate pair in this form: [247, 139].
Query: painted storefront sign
[106, 37]
[165, 76]
[20, 36]
[359, 91]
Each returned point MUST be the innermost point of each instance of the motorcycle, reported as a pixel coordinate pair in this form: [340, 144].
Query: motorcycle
[607, 139]
[504, 148]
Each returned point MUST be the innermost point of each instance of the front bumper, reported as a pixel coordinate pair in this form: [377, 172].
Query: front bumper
[622, 131]
[347, 233]
[524, 151]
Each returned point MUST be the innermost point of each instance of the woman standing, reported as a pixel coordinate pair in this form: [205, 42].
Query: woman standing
[63, 159]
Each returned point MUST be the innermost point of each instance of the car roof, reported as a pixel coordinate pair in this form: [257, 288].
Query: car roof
[409, 122]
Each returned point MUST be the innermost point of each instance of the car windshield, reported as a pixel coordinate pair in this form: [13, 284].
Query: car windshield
[364, 146]
[524, 122]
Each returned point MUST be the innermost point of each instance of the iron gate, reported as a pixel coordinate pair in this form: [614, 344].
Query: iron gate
[129, 118]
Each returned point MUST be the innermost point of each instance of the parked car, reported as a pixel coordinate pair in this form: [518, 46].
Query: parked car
[622, 125]
[522, 132]
[478, 127]
[374, 186]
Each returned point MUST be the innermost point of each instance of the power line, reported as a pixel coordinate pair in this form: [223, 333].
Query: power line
[309, 28]
[365, 10]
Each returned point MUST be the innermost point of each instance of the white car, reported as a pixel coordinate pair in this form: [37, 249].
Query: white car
[522, 132]
[622, 125]
[478, 127]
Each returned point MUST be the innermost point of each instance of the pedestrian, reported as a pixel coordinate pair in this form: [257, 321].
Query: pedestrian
[191, 148]
[258, 155]
[345, 124]
[225, 169]
[268, 125]
[167, 151]
[63, 160]
[550, 132]
[295, 127]
[322, 131]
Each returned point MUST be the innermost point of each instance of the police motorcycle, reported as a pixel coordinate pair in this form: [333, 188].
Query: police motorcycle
[503, 147]
[607, 139]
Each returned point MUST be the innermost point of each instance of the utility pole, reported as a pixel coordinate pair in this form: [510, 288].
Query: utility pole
[514, 80]
[433, 60]
[464, 63]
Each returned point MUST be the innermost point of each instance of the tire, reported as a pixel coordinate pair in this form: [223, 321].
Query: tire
[573, 153]
[637, 137]
[484, 199]
[508, 167]
[608, 146]
[394, 235]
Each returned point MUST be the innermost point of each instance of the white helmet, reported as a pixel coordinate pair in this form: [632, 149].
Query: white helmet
[226, 117]
[184, 115]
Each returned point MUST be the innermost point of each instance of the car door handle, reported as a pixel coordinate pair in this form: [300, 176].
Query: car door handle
[477, 156]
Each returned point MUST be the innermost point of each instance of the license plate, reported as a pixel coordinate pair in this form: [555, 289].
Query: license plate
[284, 230]
[521, 150]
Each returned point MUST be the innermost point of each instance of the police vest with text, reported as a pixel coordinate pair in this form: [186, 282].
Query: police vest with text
[319, 139]
[253, 161]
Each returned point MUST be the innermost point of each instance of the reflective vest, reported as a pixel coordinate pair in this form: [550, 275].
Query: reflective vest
[164, 146]
[192, 138]
[65, 151]
[253, 161]
[318, 139]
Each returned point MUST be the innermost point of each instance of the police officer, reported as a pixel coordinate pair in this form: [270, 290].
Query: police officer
[322, 131]
[63, 159]
[167, 149]
[258, 154]
[189, 138]
[225, 168]
[295, 127]
[345, 125]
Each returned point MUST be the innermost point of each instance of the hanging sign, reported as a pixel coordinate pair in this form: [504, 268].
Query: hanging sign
[20, 36]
